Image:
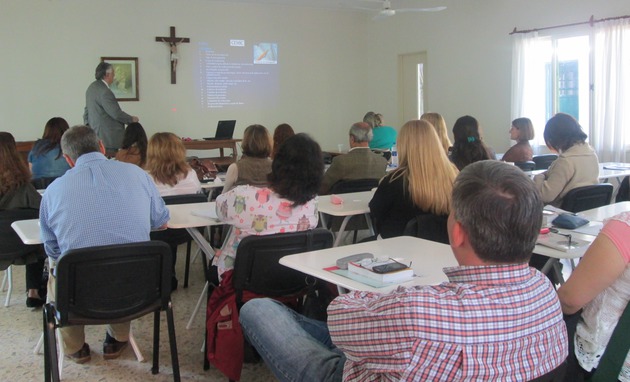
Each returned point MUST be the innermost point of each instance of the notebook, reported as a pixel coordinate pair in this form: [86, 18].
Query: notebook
[225, 130]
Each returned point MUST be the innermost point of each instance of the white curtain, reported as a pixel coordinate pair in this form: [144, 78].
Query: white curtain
[530, 54]
[610, 134]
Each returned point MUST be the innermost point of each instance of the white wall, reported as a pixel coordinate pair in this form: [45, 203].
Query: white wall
[337, 64]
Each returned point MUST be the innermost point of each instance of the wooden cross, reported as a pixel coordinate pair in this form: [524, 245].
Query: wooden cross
[173, 41]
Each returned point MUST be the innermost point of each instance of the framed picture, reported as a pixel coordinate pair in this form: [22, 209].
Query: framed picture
[125, 85]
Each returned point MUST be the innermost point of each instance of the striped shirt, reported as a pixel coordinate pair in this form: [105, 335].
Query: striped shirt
[99, 202]
[488, 323]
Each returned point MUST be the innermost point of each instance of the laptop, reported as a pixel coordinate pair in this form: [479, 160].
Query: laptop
[225, 130]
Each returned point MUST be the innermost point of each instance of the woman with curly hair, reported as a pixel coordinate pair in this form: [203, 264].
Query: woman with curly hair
[287, 204]
[16, 191]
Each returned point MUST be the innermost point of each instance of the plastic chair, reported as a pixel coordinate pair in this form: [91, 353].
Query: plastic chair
[526, 166]
[587, 197]
[42, 183]
[429, 227]
[544, 161]
[111, 284]
[12, 249]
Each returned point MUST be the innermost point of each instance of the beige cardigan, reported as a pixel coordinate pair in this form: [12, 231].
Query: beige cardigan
[576, 167]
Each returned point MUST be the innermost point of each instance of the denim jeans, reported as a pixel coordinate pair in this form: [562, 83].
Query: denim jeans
[294, 347]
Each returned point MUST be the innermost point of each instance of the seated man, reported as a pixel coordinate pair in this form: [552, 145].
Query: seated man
[96, 202]
[495, 319]
[359, 163]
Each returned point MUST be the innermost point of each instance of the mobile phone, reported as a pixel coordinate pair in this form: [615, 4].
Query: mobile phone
[389, 268]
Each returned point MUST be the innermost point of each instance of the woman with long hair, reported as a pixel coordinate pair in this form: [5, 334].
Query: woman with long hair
[287, 204]
[255, 164]
[16, 191]
[45, 159]
[134, 145]
[439, 124]
[468, 146]
[421, 184]
[282, 132]
[522, 131]
[166, 163]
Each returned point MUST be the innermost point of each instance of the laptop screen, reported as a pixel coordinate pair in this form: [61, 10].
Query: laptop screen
[225, 129]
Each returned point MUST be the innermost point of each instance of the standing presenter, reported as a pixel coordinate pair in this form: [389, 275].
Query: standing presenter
[102, 112]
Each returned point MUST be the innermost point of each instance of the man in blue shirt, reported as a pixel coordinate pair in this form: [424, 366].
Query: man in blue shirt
[97, 202]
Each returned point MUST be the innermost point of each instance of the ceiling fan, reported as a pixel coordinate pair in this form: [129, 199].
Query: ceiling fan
[388, 11]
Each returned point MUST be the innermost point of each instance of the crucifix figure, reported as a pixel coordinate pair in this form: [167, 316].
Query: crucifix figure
[172, 42]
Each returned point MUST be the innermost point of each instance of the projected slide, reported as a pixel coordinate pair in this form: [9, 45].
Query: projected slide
[236, 73]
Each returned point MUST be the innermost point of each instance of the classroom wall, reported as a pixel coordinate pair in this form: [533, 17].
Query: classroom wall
[337, 64]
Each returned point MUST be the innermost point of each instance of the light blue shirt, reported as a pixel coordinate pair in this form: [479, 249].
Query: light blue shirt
[99, 202]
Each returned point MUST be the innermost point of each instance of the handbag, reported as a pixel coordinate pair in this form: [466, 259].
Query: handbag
[569, 221]
[205, 169]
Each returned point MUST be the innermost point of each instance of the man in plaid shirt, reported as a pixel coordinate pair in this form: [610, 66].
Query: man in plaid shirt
[496, 319]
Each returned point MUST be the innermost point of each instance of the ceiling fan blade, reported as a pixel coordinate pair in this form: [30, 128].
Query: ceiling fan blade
[434, 9]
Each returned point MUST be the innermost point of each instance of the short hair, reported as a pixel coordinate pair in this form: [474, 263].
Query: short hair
[135, 135]
[361, 132]
[500, 209]
[298, 169]
[525, 129]
[166, 158]
[282, 132]
[563, 131]
[256, 142]
[439, 124]
[102, 69]
[79, 140]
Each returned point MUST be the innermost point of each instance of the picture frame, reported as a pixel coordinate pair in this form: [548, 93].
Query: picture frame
[125, 85]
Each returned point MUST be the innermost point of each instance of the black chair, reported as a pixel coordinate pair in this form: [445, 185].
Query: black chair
[526, 166]
[111, 284]
[587, 197]
[346, 186]
[387, 154]
[544, 161]
[429, 227]
[623, 194]
[179, 236]
[42, 183]
[12, 250]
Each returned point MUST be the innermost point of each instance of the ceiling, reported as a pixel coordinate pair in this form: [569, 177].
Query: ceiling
[357, 5]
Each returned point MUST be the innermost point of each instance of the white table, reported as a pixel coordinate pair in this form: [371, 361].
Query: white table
[28, 231]
[354, 203]
[427, 257]
[607, 170]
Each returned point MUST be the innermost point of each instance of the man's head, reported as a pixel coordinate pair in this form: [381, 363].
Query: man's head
[105, 71]
[497, 213]
[79, 140]
[360, 135]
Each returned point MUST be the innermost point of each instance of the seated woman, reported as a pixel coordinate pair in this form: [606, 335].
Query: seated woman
[600, 285]
[439, 124]
[577, 163]
[288, 204]
[16, 191]
[421, 184]
[254, 165]
[522, 131]
[45, 159]
[468, 146]
[134, 146]
[166, 163]
[384, 136]
[283, 132]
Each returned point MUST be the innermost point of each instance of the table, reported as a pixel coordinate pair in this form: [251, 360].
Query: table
[214, 144]
[28, 231]
[427, 257]
[354, 203]
[605, 171]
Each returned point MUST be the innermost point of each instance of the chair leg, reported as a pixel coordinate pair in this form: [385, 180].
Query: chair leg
[52, 365]
[173, 342]
[8, 274]
[3, 285]
[188, 248]
[156, 343]
[135, 347]
[199, 302]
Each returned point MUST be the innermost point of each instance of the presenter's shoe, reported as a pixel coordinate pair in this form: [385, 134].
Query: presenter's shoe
[112, 348]
[82, 356]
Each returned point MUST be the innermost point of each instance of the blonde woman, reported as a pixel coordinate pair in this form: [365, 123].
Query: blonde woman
[439, 124]
[166, 163]
[421, 184]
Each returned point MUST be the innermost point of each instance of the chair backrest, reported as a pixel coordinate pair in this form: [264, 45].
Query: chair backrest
[623, 194]
[185, 199]
[544, 161]
[354, 185]
[112, 283]
[429, 227]
[256, 266]
[42, 183]
[526, 166]
[11, 246]
[587, 197]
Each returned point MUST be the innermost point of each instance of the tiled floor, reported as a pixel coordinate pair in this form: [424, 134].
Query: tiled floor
[20, 328]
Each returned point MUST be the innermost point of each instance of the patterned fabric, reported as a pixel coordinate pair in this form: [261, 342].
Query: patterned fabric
[600, 316]
[99, 202]
[258, 211]
[489, 323]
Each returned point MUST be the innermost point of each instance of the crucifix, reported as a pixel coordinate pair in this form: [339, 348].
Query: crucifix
[172, 42]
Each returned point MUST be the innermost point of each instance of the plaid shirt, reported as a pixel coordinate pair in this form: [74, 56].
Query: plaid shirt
[488, 323]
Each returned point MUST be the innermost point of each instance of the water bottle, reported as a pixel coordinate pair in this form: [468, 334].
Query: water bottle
[394, 156]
